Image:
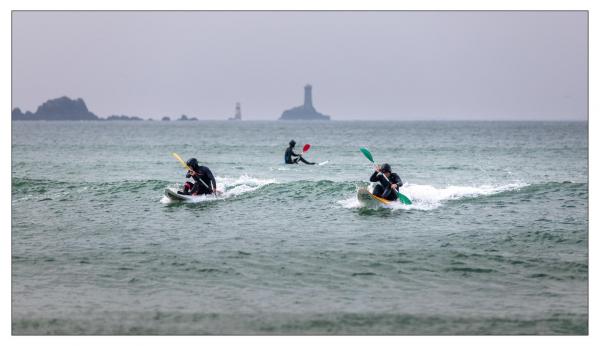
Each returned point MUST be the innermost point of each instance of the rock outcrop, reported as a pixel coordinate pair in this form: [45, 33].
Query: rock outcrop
[62, 108]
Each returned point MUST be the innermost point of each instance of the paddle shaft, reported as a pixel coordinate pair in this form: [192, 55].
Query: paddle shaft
[305, 149]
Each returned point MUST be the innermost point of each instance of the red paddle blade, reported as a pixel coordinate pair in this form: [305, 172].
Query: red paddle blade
[306, 147]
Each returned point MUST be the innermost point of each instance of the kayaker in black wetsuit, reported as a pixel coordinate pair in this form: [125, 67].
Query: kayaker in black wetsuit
[204, 181]
[385, 187]
[291, 157]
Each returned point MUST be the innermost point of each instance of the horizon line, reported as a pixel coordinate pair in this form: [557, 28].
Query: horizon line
[316, 121]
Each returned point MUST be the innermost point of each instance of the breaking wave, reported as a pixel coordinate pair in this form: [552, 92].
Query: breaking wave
[427, 197]
[230, 187]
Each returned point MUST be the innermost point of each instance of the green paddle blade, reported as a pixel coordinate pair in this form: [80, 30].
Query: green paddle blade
[367, 154]
[404, 199]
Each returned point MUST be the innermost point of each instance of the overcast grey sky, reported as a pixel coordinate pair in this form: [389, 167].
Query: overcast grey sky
[362, 65]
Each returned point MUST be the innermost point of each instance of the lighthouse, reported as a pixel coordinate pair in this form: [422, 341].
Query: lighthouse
[308, 97]
[238, 112]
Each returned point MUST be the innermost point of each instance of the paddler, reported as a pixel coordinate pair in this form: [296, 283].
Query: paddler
[292, 158]
[388, 182]
[204, 181]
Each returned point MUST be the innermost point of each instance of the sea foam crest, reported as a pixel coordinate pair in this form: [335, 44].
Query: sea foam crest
[242, 184]
[229, 186]
[427, 197]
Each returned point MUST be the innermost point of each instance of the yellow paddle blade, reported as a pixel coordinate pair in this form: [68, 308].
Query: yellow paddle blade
[182, 162]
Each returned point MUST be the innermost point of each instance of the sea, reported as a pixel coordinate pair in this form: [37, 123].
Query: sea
[495, 242]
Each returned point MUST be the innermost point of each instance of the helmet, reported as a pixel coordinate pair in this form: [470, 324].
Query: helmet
[386, 168]
[192, 162]
[292, 143]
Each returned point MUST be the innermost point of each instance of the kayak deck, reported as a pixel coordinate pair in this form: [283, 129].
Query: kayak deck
[175, 196]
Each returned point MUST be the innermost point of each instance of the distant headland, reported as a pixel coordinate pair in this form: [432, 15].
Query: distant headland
[65, 108]
[62, 108]
[305, 112]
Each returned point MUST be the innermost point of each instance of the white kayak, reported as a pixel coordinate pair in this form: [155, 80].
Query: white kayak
[174, 196]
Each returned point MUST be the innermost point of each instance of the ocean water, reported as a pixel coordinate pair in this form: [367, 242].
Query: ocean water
[496, 241]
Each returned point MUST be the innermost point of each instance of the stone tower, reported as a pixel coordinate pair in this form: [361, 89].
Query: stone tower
[238, 111]
[308, 96]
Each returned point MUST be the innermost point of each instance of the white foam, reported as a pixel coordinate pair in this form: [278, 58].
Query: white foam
[427, 197]
[194, 199]
[350, 203]
[229, 186]
[279, 168]
[227, 182]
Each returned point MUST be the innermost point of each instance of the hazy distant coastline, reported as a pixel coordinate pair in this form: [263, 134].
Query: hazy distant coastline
[62, 108]
[65, 108]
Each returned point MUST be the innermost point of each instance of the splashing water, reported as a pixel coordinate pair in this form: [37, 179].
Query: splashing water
[427, 197]
[229, 186]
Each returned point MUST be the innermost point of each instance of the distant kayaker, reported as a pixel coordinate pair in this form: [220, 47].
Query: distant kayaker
[388, 182]
[291, 157]
[204, 181]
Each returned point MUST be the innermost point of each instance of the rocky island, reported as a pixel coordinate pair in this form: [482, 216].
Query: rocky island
[123, 117]
[62, 108]
[305, 112]
[185, 118]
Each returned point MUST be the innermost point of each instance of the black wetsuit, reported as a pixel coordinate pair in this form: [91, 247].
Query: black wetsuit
[291, 157]
[197, 187]
[383, 189]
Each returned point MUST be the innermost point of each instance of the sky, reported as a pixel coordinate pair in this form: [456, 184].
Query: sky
[362, 65]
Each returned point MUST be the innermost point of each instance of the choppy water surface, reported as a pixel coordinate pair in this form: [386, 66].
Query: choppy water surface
[495, 242]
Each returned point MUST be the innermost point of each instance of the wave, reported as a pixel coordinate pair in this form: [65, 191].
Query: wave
[22, 184]
[24, 189]
[428, 197]
[26, 184]
[44, 189]
[48, 189]
[424, 197]
[231, 187]
[554, 186]
[310, 189]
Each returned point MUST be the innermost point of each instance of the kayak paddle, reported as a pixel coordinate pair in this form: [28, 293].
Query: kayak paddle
[305, 148]
[189, 169]
[367, 154]
[401, 197]
[182, 162]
